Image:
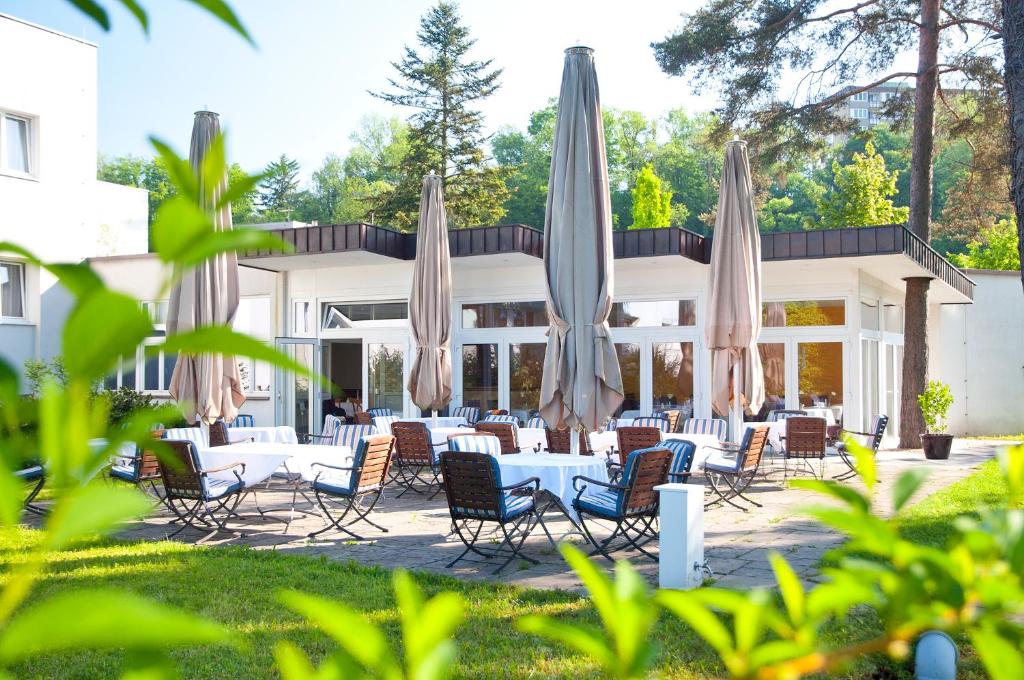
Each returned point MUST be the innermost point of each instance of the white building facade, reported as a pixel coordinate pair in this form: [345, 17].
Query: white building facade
[50, 201]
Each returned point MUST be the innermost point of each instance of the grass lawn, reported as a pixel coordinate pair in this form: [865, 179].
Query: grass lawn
[236, 587]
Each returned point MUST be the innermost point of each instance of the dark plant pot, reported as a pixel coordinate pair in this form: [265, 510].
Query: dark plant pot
[936, 446]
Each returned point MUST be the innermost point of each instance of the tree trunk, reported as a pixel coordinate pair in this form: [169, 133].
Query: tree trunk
[915, 322]
[1013, 75]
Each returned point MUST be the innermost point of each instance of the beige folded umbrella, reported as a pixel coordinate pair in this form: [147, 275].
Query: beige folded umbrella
[430, 303]
[207, 386]
[734, 303]
[581, 384]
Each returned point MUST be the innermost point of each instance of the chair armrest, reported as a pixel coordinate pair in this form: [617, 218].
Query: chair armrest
[861, 434]
[589, 480]
[222, 468]
[331, 467]
[310, 437]
[732, 448]
[535, 481]
[243, 440]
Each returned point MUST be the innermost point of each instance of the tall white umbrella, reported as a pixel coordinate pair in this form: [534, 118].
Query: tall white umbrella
[734, 303]
[430, 303]
[208, 386]
[581, 386]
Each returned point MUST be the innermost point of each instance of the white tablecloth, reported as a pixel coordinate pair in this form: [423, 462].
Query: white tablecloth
[776, 431]
[282, 434]
[603, 441]
[263, 458]
[442, 421]
[530, 437]
[439, 435]
[704, 442]
[556, 472]
[826, 413]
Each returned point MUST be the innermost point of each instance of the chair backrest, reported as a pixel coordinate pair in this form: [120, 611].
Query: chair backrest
[645, 469]
[329, 434]
[192, 434]
[783, 414]
[378, 411]
[219, 433]
[470, 413]
[652, 421]
[471, 482]
[474, 443]
[672, 416]
[412, 442]
[715, 426]
[683, 453]
[632, 438]
[371, 462]
[243, 420]
[384, 423]
[507, 434]
[349, 435]
[878, 425]
[181, 474]
[752, 447]
[500, 418]
[805, 437]
[536, 422]
[611, 425]
[560, 441]
[362, 418]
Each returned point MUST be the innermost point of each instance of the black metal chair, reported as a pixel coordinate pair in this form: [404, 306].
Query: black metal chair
[141, 469]
[631, 505]
[729, 480]
[193, 496]
[873, 441]
[27, 475]
[476, 496]
[357, 487]
[417, 462]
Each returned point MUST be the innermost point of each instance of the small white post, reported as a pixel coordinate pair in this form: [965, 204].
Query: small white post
[681, 546]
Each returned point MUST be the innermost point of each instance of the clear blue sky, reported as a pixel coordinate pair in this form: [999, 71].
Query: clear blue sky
[303, 89]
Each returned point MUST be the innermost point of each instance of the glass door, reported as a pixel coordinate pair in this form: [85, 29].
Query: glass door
[295, 401]
[385, 376]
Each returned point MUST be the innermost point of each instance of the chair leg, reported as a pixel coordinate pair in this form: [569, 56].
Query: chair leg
[27, 503]
[469, 543]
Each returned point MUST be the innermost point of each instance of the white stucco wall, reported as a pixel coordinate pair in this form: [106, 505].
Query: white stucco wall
[979, 351]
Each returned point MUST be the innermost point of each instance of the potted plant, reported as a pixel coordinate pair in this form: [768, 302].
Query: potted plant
[935, 403]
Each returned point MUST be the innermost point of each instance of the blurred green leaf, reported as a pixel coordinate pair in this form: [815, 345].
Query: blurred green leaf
[179, 170]
[906, 485]
[79, 278]
[1011, 460]
[584, 639]
[223, 340]
[90, 510]
[292, 662]
[94, 11]
[239, 188]
[12, 491]
[789, 586]
[101, 619]
[847, 495]
[864, 461]
[223, 11]
[99, 330]
[427, 628]
[1003, 659]
[140, 14]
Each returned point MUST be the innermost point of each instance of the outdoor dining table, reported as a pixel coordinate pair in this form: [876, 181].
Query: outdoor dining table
[821, 412]
[532, 439]
[707, 446]
[441, 421]
[439, 435]
[282, 434]
[262, 459]
[556, 472]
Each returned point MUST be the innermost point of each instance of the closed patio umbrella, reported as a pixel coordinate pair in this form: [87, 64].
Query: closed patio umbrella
[581, 386]
[430, 303]
[210, 385]
[734, 302]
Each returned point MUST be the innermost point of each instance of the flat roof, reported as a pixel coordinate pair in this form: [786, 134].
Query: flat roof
[47, 29]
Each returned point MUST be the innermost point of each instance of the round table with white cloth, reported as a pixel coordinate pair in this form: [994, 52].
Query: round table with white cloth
[818, 412]
[532, 437]
[706, 445]
[776, 431]
[282, 434]
[261, 459]
[556, 472]
[603, 441]
[439, 435]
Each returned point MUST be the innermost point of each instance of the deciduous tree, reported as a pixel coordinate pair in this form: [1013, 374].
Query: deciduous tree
[652, 207]
[278, 190]
[862, 193]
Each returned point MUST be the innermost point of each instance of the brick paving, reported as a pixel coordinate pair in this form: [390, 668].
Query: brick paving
[736, 543]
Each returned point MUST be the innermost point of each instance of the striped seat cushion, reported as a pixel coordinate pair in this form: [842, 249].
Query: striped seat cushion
[652, 421]
[493, 418]
[604, 503]
[30, 473]
[536, 422]
[351, 435]
[383, 423]
[470, 413]
[192, 434]
[217, 488]
[682, 458]
[713, 426]
[243, 420]
[379, 411]
[475, 443]
[123, 472]
[511, 507]
[611, 425]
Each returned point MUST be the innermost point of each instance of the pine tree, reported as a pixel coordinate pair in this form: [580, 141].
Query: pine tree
[278, 189]
[861, 197]
[445, 134]
[652, 207]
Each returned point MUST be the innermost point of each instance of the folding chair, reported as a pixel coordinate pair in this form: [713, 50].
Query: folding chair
[328, 434]
[193, 496]
[379, 411]
[475, 442]
[384, 423]
[672, 416]
[631, 505]
[416, 460]
[356, 488]
[362, 418]
[730, 480]
[476, 497]
[803, 442]
[873, 440]
[507, 434]
[32, 473]
[715, 426]
[560, 441]
[630, 439]
[500, 418]
[783, 414]
[141, 469]
[683, 453]
[470, 413]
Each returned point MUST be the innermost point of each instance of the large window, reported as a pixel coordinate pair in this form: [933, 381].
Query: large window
[505, 314]
[792, 313]
[820, 373]
[868, 316]
[16, 153]
[384, 375]
[12, 290]
[773, 363]
[893, 318]
[352, 315]
[672, 376]
[525, 370]
[653, 313]
[480, 376]
[629, 366]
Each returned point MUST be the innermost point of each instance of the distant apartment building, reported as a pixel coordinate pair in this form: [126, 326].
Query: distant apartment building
[867, 108]
[50, 200]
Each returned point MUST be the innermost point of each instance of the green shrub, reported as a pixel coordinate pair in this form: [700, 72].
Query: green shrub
[935, 402]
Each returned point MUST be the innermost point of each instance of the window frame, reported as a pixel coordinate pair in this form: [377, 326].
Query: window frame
[31, 135]
[4, 316]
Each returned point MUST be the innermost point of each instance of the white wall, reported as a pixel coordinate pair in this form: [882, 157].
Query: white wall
[979, 351]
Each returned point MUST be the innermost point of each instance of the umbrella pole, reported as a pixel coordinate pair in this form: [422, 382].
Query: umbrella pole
[433, 414]
[574, 441]
[737, 407]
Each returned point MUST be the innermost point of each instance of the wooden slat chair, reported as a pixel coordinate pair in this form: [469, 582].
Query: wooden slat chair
[715, 426]
[872, 440]
[536, 422]
[475, 442]
[36, 476]
[730, 479]
[356, 488]
[673, 416]
[193, 496]
[470, 413]
[632, 437]
[560, 441]
[362, 418]
[417, 462]
[507, 434]
[141, 469]
[328, 434]
[219, 434]
[243, 420]
[476, 497]
[500, 418]
[804, 442]
[683, 453]
[653, 421]
[379, 411]
[631, 504]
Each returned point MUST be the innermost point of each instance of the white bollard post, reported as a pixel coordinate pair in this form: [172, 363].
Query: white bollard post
[681, 561]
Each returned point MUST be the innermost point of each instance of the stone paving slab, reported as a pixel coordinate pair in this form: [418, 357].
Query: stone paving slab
[737, 544]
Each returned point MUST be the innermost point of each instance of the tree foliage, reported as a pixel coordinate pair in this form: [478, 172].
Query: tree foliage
[652, 206]
[862, 193]
[279, 190]
[997, 248]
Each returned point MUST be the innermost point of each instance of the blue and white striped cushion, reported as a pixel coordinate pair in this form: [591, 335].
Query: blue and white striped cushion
[383, 423]
[511, 507]
[475, 443]
[470, 413]
[379, 411]
[604, 503]
[652, 421]
[349, 435]
[243, 420]
[611, 425]
[493, 418]
[713, 426]
[329, 435]
[536, 422]
[682, 456]
[192, 434]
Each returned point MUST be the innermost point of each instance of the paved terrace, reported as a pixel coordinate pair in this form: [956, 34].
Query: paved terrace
[737, 543]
